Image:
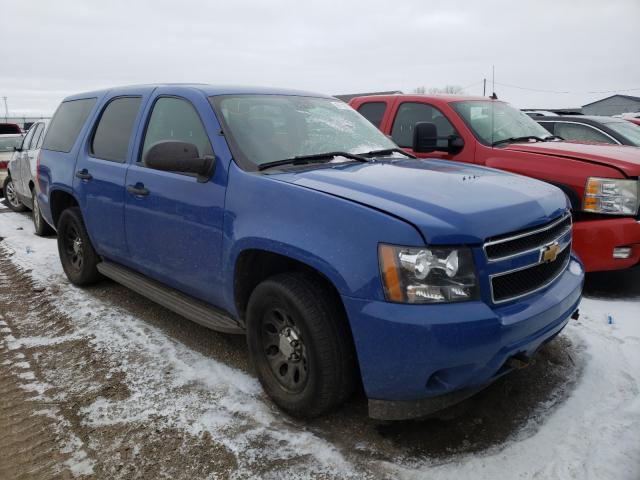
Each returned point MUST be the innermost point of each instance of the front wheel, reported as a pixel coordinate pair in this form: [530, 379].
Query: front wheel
[41, 227]
[11, 195]
[300, 345]
[78, 258]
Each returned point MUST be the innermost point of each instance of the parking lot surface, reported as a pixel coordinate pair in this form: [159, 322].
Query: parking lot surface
[102, 383]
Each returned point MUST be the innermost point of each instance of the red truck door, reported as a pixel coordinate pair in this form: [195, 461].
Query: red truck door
[397, 116]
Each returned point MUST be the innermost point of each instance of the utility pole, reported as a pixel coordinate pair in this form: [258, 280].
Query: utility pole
[493, 80]
[6, 110]
[484, 87]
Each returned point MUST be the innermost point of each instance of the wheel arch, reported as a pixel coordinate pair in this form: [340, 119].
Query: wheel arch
[59, 201]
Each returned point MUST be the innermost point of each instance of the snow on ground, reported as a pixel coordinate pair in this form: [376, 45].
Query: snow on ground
[595, 434]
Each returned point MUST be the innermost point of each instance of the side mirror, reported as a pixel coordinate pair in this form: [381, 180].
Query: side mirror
[425, 140]
[17, 149]
[182, 157]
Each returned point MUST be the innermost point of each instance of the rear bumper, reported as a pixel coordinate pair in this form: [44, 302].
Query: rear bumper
[3, 175]
[594, 241]
[409, 354]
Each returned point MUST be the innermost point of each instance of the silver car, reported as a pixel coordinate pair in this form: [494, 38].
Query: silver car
[20, 185]
[8, 142]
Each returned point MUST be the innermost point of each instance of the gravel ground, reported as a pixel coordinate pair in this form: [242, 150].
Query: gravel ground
[102, 383]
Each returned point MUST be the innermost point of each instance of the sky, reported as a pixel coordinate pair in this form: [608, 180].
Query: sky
[557, 52]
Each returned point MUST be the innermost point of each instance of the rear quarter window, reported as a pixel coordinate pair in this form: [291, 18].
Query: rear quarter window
[67, 123]
[373, 111]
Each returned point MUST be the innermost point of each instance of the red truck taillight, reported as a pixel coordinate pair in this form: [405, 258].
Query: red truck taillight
[3, 165]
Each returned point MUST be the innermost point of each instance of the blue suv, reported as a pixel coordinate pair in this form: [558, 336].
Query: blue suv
[288, 217]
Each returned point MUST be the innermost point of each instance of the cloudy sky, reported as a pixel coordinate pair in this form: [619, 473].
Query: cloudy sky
[556, 51]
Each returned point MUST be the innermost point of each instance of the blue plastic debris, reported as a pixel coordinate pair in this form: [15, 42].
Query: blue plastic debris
[610, 319]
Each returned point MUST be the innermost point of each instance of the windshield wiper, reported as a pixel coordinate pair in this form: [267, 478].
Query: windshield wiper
[387, 151]
[517, 139]
[316, 158]
[552, 137]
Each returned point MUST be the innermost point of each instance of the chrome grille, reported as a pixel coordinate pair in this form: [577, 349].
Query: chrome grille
[514, 244]
[518, 283]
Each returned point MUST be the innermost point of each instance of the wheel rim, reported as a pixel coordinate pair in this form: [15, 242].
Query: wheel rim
[74, 247]
[36, 213]
[284, 349]
[10, 193]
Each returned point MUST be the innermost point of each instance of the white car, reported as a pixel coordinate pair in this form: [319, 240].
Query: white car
[7, 144]
[20, 184]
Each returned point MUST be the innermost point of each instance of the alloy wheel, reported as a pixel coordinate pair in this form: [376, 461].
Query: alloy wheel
[11, 195]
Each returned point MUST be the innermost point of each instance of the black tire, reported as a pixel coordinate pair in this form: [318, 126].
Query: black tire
[77, 255]
[11, 196]
[318, 335]
[40, 225]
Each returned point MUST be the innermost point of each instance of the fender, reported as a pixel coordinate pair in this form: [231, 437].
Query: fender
[335, 236]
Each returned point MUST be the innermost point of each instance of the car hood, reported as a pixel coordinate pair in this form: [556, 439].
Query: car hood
[448, 202]
[622, 157]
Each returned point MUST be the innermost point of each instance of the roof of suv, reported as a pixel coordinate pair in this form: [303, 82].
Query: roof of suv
[590, 119]
[208, 90]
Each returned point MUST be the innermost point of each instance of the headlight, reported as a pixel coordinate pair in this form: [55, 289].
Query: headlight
[611, 196]
[427, 275]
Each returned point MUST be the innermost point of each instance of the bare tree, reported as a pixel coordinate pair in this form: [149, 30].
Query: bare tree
[448, 89]
[420, 90]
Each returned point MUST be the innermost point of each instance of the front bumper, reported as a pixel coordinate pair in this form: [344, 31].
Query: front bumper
[594, 241]
[447, 352]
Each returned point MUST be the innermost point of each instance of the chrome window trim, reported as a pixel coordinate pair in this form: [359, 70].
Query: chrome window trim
[522, 235]
[545, 285]
[616, 142]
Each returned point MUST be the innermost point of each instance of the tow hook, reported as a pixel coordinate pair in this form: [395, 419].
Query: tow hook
[519, 360]
[575, 315]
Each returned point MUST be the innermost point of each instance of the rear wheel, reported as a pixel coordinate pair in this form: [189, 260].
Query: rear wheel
[42, 228]
[78, 258]
[12, 196]
[300, 345]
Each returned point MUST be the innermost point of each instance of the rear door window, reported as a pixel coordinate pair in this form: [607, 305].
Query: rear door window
[581, 133]
[177, 120]
[38, 127]
[411, 113]
[113, 133]
[27, 139]
[373, 111]
[67, 123]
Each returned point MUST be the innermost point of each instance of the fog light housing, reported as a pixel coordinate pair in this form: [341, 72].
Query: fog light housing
[622, 252]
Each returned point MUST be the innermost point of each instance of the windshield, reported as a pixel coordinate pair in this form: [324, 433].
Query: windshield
[493, 122]
[629, 130]
[7, 143]
[268, 128]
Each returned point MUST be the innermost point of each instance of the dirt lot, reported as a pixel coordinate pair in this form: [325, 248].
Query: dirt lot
[101, 383]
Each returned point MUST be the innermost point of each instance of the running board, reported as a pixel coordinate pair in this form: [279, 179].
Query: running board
[178, 302]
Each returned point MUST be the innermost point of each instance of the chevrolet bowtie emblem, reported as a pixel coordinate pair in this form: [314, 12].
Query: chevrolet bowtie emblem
[550, 252]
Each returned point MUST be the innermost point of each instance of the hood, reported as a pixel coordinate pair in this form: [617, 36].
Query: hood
[448, 202]
[622, 157]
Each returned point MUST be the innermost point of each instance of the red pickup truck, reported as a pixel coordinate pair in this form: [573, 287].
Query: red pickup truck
[601, 181]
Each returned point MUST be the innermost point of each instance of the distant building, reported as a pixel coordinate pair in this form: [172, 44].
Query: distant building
[24, 122]
[347, 98]
[613, 105]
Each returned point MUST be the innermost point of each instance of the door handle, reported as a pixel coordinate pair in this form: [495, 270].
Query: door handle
[138, 189]
[84, 174]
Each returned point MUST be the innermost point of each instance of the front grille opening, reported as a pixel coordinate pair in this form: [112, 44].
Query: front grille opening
[527, 242]
[521, 282]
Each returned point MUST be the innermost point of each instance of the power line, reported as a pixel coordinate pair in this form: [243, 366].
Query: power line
[566, 91]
